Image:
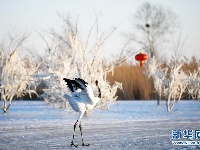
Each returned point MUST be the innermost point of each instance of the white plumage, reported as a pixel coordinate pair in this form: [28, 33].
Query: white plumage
[81, 100]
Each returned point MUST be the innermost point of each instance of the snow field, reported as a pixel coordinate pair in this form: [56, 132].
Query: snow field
[142, 125]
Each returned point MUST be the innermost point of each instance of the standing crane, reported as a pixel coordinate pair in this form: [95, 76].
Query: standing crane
[82, 99]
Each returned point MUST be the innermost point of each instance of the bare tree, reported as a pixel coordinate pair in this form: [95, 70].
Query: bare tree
[176, 84]
[154, 22]
[69, 56]
[15, 74]
[158, 74]
[170, 81]
[193, 88]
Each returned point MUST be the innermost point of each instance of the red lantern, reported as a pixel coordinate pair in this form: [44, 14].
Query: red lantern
[141, 57]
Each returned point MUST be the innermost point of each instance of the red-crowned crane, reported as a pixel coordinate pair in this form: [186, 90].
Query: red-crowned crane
[81, 100]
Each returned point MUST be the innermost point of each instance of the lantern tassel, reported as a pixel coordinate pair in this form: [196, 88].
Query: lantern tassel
[141, 63]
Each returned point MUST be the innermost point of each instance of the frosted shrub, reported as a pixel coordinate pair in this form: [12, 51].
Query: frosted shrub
[16, 74]
[194, 84]
[158, 74]
[176, 84]
[71, 58]
[170, 82]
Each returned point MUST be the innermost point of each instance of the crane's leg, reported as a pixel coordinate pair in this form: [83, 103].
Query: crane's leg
[83, 143]
[72, 143]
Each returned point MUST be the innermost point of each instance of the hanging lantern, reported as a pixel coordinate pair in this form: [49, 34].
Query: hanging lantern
[141, 57]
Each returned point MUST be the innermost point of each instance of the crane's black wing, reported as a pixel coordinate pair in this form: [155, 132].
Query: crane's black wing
[78, 83]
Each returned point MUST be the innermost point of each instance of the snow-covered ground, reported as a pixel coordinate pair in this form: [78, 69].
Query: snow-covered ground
[125, 125]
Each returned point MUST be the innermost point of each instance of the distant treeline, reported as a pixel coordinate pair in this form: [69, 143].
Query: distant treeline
[137, 85]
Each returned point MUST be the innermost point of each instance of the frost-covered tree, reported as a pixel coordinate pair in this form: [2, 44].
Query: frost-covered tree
[176, 84]
[15, 74]
[194, 84]
[70, 57]
[158, 74]
[153, 22]
[169, 82]
[177, 80]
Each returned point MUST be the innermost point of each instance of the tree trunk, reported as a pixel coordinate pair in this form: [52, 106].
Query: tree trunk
[159, 99]
[168, 105]
[4, 106]
[158, 102]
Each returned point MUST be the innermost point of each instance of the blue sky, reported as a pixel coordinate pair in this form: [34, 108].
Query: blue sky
[28, 15]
